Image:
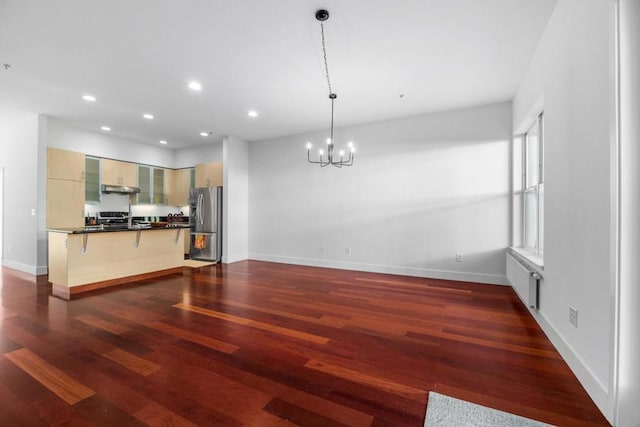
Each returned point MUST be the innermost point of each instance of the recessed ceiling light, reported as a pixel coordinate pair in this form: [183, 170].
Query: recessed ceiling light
[195, 86]
[204, 133]
[163, 142]
[148, 116]
[105, 128]
[89, 98]
[252, 113]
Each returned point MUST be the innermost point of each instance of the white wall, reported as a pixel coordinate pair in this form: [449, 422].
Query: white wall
[42, 237]
[628, 376]
[188, 157]
[61, 135]
[421, 190]
[19, 158]
[571, 72]
[235, 216]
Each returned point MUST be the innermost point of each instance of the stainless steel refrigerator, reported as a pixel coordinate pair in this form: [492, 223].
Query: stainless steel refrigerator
[205, 220]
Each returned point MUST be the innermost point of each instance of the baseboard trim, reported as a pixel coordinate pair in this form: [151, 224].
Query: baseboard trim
[492, 279]
[595, 389]
[25, 268]
[229, 260]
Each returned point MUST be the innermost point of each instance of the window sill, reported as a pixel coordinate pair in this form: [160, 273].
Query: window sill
[535, 260]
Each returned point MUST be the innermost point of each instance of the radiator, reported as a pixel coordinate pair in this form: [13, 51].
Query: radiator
[524, 280]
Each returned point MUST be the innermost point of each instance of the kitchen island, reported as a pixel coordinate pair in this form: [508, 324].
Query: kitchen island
[90, 258]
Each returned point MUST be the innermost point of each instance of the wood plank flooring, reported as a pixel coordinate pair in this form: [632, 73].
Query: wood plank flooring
[265, 344]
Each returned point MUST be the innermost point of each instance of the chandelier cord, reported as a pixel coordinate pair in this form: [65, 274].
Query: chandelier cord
[324, 52]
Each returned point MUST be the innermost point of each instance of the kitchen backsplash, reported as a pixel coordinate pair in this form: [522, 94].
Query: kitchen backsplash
[120, 203]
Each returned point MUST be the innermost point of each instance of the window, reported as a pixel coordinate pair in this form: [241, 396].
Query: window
[533, 188]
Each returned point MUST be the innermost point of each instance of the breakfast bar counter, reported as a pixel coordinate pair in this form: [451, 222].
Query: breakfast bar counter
[86, 259]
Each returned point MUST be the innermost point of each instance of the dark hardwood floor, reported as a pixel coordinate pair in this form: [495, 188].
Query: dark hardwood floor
[255, 343]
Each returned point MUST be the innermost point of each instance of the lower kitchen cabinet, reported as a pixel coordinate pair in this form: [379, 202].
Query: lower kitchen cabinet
[83, 262]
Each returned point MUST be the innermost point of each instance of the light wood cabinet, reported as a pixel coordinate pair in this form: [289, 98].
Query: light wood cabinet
[65, 188]
[115, 172]
[65, 203]
[209, 174]
[178, 184]
[65, 164]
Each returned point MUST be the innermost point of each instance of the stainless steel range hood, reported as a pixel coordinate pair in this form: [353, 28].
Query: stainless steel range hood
[120, 189]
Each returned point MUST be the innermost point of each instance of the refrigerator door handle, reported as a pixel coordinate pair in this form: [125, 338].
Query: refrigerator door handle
[201, 207]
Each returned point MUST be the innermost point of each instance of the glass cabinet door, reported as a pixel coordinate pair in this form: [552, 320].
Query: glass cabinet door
[158, 186]
[92, 180]
[144, 183]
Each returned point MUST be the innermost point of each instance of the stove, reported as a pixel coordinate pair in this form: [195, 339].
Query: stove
[113, 217]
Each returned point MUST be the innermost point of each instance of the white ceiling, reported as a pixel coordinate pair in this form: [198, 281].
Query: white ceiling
[137, 56]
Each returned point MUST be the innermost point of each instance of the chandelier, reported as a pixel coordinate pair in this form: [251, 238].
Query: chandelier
[332, 159]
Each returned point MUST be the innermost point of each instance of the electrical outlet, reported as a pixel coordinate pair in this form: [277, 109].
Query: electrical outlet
[347, 251]
[9, 248]
[33, 212]
[459, 257]
[573, 316]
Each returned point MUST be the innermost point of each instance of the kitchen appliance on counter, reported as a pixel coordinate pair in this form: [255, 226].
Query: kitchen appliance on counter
[114, 220]
[205, 220]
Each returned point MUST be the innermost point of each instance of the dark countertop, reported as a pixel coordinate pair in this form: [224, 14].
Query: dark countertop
[98, 229]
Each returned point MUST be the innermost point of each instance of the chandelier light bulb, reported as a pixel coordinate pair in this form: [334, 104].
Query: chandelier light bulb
[353, 150]
[328, 141]
[350, 144]
[309, 146]
[320, 152]
[341, 153]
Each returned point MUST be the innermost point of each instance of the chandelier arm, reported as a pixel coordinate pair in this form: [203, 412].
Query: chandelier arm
[321, 162]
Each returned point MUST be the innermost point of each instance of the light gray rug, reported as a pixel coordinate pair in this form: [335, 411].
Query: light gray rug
[445, 411]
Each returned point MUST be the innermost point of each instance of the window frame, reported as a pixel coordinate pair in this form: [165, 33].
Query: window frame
[536, 188]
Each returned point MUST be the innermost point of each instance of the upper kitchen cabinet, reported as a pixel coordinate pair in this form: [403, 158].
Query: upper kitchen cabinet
[179, 182]
[151, 182]
[92, 180]
[209, 174]
[64, 164]
[115, 172]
